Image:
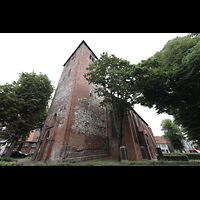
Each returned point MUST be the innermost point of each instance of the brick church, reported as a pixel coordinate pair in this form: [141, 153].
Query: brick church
[77, 129]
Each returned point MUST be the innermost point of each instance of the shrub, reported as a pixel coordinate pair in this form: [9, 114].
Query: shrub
[175, 157]
[7, 159]
[194, 156]
[4, 163]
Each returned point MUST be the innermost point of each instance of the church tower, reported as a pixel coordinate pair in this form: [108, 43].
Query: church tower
[76, 127]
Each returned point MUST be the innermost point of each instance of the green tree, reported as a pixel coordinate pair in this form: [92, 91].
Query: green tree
[172, 133]
[111, 77]
[169, 81]
[23, 106]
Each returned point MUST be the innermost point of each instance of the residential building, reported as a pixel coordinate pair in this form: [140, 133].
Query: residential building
[188, 145]
[162, 143]
[2, 148]
[30, 145]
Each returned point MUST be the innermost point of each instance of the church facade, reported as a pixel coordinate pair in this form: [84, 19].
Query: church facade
[77, 129]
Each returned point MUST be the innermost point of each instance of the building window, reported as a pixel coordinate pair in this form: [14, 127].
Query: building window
[72, 57]
[91, 58]
[132, 125]
[34, 145]
[69, 72]
[32, 151]
[26, 144]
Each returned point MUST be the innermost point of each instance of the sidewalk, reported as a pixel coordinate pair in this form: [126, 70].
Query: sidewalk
[25, 161]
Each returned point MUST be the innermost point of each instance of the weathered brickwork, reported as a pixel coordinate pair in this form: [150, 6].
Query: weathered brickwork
[77, 129]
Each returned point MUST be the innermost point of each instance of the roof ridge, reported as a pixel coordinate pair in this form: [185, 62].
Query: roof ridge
[78, 48]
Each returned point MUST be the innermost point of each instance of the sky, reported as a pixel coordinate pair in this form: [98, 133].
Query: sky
[47, 52]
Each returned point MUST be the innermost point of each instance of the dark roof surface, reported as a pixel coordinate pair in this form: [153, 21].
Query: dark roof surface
[76, 50]
[140, 117]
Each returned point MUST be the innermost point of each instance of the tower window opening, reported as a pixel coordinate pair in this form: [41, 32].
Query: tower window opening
[69, 72]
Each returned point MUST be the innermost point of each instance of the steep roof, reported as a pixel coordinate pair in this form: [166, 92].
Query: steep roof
[140, 117]
[77, 49]
[33, 136]
[161, 140]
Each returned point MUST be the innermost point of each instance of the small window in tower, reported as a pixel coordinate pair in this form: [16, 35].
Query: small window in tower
[69, 72]
[90, 57]
[90, 93]
[72, 57]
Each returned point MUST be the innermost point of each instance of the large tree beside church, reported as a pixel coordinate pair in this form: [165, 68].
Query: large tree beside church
[23, 107]
[111, 77]
[169, 81]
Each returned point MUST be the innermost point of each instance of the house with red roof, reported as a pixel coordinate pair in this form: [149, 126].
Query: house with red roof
[163, 144]
[29, 145]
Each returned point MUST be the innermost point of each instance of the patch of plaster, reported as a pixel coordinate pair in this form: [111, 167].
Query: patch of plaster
[89, 119]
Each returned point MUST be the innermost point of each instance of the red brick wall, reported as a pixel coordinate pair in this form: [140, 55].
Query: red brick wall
[139, 128]
[80, 126]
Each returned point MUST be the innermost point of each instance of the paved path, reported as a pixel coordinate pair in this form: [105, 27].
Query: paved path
[114, 165]
[25, 160]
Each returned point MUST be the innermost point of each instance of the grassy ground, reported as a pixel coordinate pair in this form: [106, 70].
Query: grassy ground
[112, 162]
[104, 162]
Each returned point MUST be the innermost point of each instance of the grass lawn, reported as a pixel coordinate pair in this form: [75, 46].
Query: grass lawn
[108, 161]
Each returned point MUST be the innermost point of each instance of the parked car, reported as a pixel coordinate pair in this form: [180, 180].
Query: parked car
[17, 154]
[194, 151]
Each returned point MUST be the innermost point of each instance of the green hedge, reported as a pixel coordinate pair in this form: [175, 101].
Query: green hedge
[191, 156]
[7, 159]
[4, 163]
[175, 157]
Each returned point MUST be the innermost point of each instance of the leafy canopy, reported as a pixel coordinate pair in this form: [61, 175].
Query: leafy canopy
[172, 133]
[23, 105]
[169, 81]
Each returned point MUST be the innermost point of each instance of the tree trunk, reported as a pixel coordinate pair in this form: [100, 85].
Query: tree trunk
[11, 147]
[119, 126]
[120, 131]
[20, 146]
[119, 145]
[121, 135]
